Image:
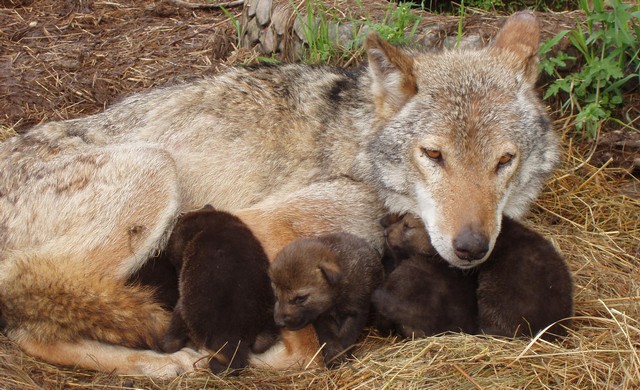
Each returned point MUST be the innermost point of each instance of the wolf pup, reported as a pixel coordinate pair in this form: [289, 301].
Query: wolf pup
[226, 302]
[326, 281]
[522, 288]
[423, 295]
[525, 286]
[459, 138]
[404, 237]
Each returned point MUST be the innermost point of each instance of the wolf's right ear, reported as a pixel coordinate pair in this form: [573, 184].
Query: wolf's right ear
[331, 272]
[520, 35]
[393, 81]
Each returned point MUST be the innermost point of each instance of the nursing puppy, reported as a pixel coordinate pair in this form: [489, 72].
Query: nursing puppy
[326, 281]
[404, 237]
[423, 295]
[522, 288]
[225, 303]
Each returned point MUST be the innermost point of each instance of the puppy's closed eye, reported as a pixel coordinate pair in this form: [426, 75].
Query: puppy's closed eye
[299, 299]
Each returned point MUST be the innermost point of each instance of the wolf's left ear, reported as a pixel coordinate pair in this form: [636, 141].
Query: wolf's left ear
[331, 272]
[393, 81]
[520, 35]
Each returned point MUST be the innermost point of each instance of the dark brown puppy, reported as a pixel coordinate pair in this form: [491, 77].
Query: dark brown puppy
[405, 236]
[522, 288]
[161, 275]
[326, 281]
[423, 295]
[226, 301]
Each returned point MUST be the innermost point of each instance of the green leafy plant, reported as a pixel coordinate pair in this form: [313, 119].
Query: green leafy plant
[487, 5]
[316, 24]
[399, 25]
[609, 49]
[320, 27]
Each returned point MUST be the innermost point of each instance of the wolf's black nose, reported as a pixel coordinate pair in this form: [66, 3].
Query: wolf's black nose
[470, 244]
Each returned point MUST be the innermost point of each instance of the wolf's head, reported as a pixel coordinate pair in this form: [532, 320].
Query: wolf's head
[463, 137]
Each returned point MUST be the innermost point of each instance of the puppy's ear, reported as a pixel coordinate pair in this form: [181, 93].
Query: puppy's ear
[389, 219]
[393, 81]
[331, 272]
[520, 35]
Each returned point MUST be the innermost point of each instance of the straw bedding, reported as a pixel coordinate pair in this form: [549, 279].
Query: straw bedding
[65, 59]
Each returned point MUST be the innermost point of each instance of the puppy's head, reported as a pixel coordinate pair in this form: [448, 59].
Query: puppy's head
[406, 235]
[304, 276]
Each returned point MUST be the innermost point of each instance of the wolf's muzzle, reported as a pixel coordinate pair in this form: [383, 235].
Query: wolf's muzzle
[470, 244]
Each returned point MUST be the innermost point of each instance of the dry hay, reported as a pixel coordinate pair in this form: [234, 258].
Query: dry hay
[583, 211]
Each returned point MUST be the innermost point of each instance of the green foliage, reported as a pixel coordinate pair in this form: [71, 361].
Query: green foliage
[315, 25]
[399, 25]
[487, 5]
[609, 49]
[235, 22]
[320, 27]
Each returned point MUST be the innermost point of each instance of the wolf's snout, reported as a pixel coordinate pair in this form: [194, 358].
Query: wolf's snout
[470, 244]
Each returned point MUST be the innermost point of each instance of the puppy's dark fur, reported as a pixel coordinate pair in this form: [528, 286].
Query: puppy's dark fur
[160, 274]
[523, 287]
[423, 295]
[326, 281]
[404, 237]
[226, 301]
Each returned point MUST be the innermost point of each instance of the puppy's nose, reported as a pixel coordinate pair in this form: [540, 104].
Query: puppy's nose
[279, 318]
[470, 244]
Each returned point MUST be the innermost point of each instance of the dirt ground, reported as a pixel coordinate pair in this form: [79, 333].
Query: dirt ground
[62, 59]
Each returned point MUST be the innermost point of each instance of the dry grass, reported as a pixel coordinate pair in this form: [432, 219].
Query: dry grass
[583, 211]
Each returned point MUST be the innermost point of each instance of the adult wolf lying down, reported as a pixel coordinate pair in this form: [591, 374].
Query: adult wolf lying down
[458, 137]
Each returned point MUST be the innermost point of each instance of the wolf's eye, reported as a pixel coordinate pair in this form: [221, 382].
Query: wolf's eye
[433, 154]
[505, 160]
[299, 299]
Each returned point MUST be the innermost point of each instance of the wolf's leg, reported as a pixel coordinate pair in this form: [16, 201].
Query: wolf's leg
[94, 355]
[112, 206]
[75, 227]
[299, 349]
[319, 208]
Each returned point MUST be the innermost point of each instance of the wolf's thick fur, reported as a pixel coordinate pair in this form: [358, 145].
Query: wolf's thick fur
[326, 281]
[459, 138]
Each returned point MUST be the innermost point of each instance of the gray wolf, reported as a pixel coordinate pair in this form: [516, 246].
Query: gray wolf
[524, 287]
[226, 302]
[458, 138]
[326, 281]
[423, 295]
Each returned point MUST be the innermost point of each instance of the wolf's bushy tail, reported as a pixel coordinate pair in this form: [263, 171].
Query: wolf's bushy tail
[60, 300]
